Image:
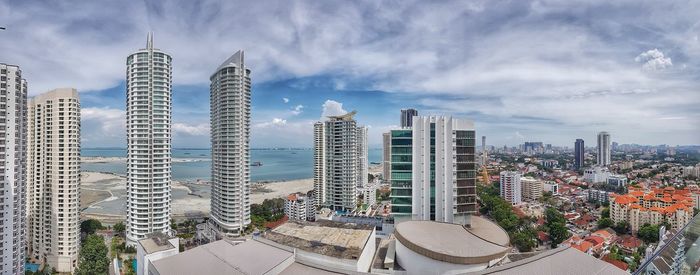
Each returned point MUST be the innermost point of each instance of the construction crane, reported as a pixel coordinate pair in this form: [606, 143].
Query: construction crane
[485, 175]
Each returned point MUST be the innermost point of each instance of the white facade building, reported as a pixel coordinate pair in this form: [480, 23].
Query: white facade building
[617, 180]
[53, 178]
[148, 124]
[299, 206]
[596, 174]
[511, 187]
[13, 142]
[603, 149]
[230, 139]
[443, 176]
[552, 187]
[532, 188]
[155, 247]
[340, 161]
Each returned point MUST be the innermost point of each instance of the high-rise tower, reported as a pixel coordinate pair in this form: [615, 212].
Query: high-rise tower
[13, 141]
[433, 168]
[230, 147]
[603, 149]
[339, 170]
[407, 117]
[53, 178]
[148, 124]
[579, 151]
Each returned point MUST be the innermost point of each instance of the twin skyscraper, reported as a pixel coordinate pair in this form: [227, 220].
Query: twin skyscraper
[149, 144]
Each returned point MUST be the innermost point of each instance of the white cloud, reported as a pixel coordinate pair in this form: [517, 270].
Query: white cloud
[654, 60]
[276, 122]
[332, 108]
[192, 130]
[297, 109]
[103, 127]
[286, 100]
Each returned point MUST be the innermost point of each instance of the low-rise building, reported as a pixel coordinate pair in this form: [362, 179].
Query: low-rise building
[596, 174]
[299, 206]
[532, 189]
[655, 206]
[154, 247]
[617, 180]
[596, 195]
[551, 187]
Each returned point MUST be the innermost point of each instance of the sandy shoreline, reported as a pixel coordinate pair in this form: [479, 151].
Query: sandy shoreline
[99, 188]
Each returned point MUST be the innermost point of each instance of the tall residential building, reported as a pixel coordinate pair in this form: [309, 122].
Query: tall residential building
[13, 143]
[604, 149]
[386, 157]
[319, 163]
[579, 151]
[230, 147]
[363, 164]
[53, 178]
[148, 124]
[511, 188]
[407, 117]
[483, 144]
[532, 189]
[340, 142]
[433, 169]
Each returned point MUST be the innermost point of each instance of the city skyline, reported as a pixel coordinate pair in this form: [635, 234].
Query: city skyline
[327, 67]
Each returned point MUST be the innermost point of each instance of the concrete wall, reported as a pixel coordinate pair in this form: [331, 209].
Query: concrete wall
[415, 263]
[364, 262]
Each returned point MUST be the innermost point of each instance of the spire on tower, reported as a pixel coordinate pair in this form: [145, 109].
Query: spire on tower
[149, 41]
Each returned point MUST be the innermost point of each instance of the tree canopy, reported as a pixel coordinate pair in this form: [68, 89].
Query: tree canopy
[90, 226]
[93, 256]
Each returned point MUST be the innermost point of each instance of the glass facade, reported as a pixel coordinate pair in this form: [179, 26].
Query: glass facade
[401, 173]
[678, 252]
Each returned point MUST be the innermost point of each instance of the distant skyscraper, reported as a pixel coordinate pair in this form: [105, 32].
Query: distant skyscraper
[603, 149]
[13, 140]
[386, 157]
[407, 117]
[230, 147]
[511, 188]
[342, 144]
[579, 151]
[148, 124]
[483, 144]
[53, 178]
[434, 179]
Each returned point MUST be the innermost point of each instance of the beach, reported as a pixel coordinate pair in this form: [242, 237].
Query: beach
[103, 195]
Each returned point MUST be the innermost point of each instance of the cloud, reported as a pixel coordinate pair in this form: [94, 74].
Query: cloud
[297, 110]
[276, 122]
[286, 100]
[103, 127]
[192, 130]
[332, 108]
[654, 60]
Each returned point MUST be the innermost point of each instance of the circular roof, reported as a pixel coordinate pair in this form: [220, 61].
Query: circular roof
[454, 243]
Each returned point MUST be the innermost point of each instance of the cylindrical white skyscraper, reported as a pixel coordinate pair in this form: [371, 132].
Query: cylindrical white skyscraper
[148, 124]
[230, 147]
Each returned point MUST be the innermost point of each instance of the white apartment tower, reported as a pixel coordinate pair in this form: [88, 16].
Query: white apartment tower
[53, 178]
[230, 145]
[319, 163]
[148, 126]
[13, 143]
[511, 188]
[443, 169]
[338, 171]
[603, 149]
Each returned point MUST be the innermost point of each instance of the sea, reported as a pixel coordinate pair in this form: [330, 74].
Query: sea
[277, 164]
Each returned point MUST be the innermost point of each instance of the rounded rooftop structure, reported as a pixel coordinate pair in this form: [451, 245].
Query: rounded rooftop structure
[429, 246]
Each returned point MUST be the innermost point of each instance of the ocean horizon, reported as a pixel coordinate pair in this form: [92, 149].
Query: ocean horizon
[278, 164]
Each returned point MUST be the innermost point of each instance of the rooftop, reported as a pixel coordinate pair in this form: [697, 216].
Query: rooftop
[156, 242]
[482, 242]
[563, 260]
[222, 257]
[339, 240]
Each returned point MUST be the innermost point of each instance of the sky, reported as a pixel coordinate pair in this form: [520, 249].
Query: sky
[549, 71]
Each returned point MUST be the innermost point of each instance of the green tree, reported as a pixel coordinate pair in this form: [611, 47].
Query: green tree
[605, 223]
[90, 226]
[120, 228]
[556, 226]
[93, 256]
[649, 233]
[524, 241]
[605, 213]
[621, 227]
